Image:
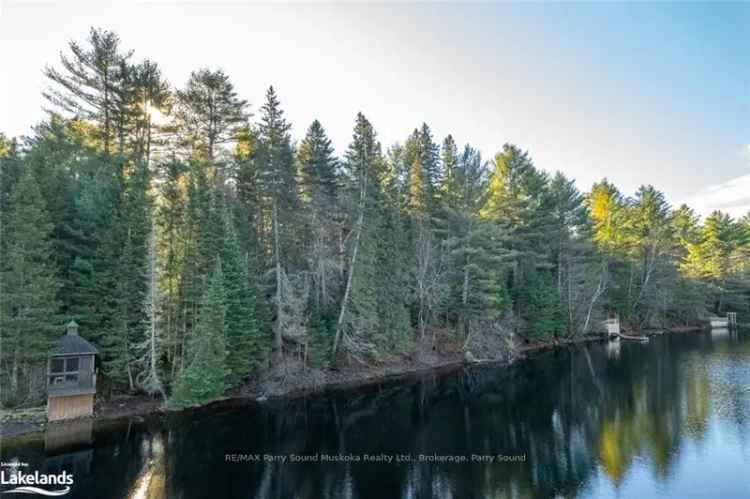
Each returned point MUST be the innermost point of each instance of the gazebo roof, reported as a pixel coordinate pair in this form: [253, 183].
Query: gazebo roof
[72, 344]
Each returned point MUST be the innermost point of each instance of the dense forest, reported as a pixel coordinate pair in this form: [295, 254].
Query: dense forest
[198, 243]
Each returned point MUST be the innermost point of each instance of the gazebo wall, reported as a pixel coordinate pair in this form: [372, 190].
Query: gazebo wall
[68, 407]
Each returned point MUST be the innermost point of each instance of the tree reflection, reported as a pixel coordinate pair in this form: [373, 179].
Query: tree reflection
[572, 414]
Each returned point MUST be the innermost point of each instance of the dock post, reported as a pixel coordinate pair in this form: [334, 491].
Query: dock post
[732, 316]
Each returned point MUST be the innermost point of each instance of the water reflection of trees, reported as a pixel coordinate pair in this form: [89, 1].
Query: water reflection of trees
[572, 415]
[569, 414]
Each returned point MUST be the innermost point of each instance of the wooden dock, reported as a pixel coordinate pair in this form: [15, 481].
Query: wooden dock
[724, 322]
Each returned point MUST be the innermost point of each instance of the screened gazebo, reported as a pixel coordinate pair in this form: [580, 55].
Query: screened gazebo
[71, 377]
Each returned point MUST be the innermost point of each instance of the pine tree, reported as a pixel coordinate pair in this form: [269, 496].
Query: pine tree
[450, 187]
[11, 169]
[319, 197]
[150, 349]
[471, 180]
[151, 96]
[711, 259]
[417, 200]
[519, 201]
[170, 219]
[517, 194]
[317, 164]
[80, 188]
[277, 185]
[249, 207]
[688, 302]
[478, 264]
[578, 275]
[247, 345]
[209, 113]
[121, 274]
[393, 282]
[90, 83]
[421, 164]
[430, 160]
[358, 310]
[540, 306]
[115, 336]
[204, 376]
[648, 238]
[318, 185]
[372, 317]
[685, 227]
[28, 288]
[606, 208]
[195, 263]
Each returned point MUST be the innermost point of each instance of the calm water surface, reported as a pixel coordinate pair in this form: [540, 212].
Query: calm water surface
[666, 419]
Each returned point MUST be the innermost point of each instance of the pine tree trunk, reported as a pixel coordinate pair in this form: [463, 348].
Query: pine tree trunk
[153, 372]
[131, 382]
[465, 301]
[14, 374]
[107, 124]
[600, 288]
[570, 296]
[148, 140]
[278, 340]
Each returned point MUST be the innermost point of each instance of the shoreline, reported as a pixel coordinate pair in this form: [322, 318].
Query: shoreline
[317, 382]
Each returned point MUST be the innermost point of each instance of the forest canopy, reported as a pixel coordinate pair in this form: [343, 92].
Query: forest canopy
[198, 244]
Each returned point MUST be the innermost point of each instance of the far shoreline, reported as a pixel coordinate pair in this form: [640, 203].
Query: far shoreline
[18, 431]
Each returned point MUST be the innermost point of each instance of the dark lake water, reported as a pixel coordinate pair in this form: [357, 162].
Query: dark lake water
[670, 418]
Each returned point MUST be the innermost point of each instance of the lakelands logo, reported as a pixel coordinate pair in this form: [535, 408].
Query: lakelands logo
[27, 483]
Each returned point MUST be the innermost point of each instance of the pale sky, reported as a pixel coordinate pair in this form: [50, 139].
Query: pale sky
[638, 93]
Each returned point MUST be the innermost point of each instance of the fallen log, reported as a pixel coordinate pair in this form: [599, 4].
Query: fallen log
[628, 337]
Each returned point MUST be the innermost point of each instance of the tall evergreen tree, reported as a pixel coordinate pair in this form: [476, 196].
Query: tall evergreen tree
[27, 289]
[170, 220]
[150, 348]
[711, 258]
[11, 169]
[417, 197]
[579, 272]
[318, 185]
[319, 189]
[247, 344]
[151, 97]
[249, 207]
[357, 312]
[277, 185]
[372, 316]
[121, 274]
[91, 82]
[430, 159]
[518, 200]
[478, 263]
[209, 113]
[318, 178]
[569, 218]
[204, 376]
[648, 236]
[450, 187]
[606, 207]
[421, 157]
[196, 263]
